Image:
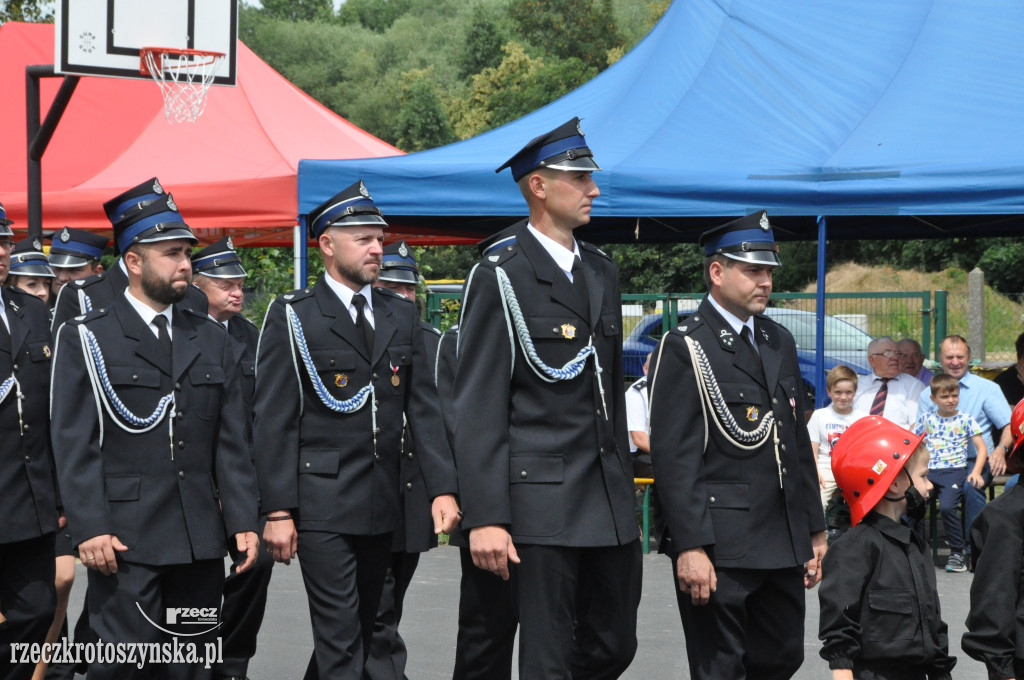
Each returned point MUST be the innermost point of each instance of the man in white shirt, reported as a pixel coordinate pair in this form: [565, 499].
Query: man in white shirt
[886, 391]
[638, 425]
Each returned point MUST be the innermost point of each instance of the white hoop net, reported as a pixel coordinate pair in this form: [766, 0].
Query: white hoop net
[184, 77]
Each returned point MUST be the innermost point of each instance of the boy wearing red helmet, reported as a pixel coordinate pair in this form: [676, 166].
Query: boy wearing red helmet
[879, 609]
[994, 635]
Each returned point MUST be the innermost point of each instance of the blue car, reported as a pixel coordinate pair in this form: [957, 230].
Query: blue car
[844, 343]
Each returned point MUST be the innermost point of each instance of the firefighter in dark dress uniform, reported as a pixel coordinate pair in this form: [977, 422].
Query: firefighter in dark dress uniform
[736, 478]
[28, 492]
[545, 475]
[218, 272]
[338, 366]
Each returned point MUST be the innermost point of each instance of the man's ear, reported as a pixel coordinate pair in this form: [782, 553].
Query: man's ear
[133, 261]
[537, 185]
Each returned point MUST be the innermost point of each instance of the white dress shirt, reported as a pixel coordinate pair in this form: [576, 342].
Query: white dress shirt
[148, 314]
[345, 294]
[900, 403]
[562, 256]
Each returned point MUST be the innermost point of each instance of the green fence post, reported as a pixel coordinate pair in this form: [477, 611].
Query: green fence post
[926, 322]
[941, 298]
[434, 308]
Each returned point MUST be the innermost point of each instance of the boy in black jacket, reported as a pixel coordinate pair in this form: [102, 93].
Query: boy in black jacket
[994, 625]
[879, 610]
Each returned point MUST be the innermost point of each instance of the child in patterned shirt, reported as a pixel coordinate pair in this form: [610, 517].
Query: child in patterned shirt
[948, 435]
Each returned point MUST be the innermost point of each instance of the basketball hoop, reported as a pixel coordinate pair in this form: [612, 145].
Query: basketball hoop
[184, 76]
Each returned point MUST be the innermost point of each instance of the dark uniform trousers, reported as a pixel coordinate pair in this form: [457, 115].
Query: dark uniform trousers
[344, 490]
[388, 656]
[550, 460]
[171, 505]
[728, 500]
[28, 493]
[245, 594]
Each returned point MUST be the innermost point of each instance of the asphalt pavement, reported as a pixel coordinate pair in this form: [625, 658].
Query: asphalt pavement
[430, 621]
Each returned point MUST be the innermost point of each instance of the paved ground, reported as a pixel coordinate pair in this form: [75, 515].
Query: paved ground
[430, 622]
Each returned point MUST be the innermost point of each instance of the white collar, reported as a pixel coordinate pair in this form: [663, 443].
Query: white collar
[148, 313]
[562, 256]
[345, 294]
[732, 319]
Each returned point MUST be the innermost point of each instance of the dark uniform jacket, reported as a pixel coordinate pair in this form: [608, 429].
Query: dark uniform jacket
[158, 496]
[995, 623]
[246, 337]
[322, 464]
[879, 608]
[539, 457]
[417, 532]
[717, 496]
[28, 494]
[100, 290]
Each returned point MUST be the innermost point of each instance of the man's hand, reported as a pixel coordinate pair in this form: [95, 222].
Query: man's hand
[281, 538]
[812, 570]
[247, 542]
[445, 511]
[99, 553]
[696, 575]
[492, 549]
[997, 461]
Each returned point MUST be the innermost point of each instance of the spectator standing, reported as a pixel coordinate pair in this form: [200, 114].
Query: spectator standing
[983, 400]
[886, 391]
[912, 360]
[1011, 381]
[948, 433]
[827, 423]
[638, 425]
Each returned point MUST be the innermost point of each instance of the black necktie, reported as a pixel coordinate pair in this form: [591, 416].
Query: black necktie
[745, 334]
[361, 323]
[160, 321]
[579, 286]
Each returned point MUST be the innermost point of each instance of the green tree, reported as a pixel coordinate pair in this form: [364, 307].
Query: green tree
[658, 267]
[299, 10]
[446, 262]
[376, 15]
[584, 29]
[421, 122]
[481, 47]
[31, 11]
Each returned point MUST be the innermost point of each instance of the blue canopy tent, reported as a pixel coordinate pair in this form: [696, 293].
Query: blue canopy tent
[887, 118]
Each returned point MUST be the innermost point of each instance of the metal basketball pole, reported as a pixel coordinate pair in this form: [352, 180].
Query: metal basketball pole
[39, 135]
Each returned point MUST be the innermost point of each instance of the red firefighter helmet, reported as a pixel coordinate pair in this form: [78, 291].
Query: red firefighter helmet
[866, 459]
[1015, 459]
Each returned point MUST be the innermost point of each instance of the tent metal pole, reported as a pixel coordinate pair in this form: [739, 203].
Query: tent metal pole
[39, 135]
[819, 345]
[299, 264]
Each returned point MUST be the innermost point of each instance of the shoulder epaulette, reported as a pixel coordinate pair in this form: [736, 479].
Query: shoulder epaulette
[297, 294]
[499, 254]
[200, 315]
[392, 294]
[89, 316]
[89, 280]
[430, 327]
[246, 320]
[688, 325]
[506, 243]
[640, 384]
[593, 249]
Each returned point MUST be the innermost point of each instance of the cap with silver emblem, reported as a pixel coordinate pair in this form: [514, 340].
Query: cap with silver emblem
[75, 247]
[135, 197]
[398, 264]
[748, 239]
[561, 149]
[5, 224]
[28, 259]
[158, 220]
[351, 207]
[219, 260]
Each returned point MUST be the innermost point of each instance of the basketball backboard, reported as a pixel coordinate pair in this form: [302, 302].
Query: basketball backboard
[103, 37]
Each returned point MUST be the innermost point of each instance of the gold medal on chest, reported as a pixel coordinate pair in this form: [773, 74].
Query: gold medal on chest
[568, 331]
[395, 380]
[340, 380]
[752, 414]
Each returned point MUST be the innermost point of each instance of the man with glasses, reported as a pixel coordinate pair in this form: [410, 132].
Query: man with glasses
[886, 391]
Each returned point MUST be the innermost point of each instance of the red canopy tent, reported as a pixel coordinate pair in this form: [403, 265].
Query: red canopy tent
[232, 171]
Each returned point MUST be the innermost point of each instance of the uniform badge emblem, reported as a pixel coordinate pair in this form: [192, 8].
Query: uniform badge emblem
[764, 334]
[402, 250]
[46, 351]
[171, 204]
[764, 222]
[752, 414]
[726, 337]
[231, 246]
[157, 189]
[288, 296]
[340, 380]
[65, 235]
[879, 467]
[36, 244]
[682, 329]
[493, 258]
[362, 190]
[579, 129]
[568, 331]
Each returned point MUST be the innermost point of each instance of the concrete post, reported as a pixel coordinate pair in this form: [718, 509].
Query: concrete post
[976, 313]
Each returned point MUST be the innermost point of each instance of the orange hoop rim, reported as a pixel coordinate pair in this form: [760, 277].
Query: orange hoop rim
[181, 52]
